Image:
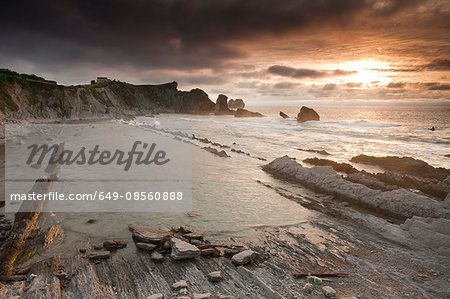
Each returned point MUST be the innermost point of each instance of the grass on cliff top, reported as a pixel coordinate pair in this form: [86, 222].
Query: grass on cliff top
[6, 102]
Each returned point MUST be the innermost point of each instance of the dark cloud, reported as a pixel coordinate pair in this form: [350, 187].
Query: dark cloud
[440, 87]
[438, 65]
[190, 34]
[287, 71]
[329, 86]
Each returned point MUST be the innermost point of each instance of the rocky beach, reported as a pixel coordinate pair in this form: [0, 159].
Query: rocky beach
[270, 219]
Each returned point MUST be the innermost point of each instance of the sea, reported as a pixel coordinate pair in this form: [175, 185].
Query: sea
[228, 197]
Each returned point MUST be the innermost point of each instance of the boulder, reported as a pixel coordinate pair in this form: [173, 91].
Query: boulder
[283, 115]
[246, 113]
[150, 234]
[222, 106]
[244, 257]
[307, 114]
[183, 250]
[234, 104]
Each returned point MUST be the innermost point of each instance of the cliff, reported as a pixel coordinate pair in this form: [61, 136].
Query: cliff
[31, 97]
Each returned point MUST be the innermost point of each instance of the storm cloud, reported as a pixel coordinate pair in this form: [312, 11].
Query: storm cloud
[306, 73]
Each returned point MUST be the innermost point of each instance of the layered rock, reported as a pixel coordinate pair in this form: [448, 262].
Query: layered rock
[183, 250]
[307, 114]
[150, 234]
[431, 232]
[234, 104]
[246, 113]
[221, 107]
[401, 202]
[244, 257]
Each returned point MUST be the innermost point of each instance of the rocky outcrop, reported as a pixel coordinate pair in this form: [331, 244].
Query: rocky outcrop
[401, 203]
[283, 115]
[404, 165]
[221, 107]
[24, 99]
[234, 104]
[431, 232]
[246, 113]
[307, 114]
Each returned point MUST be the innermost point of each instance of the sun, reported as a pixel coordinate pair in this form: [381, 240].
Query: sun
[368, 71]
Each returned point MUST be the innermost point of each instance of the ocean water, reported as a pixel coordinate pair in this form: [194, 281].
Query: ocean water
[228, 200]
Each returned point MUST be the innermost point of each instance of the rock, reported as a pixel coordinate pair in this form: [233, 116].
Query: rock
[182, 284]
[83, 250]
[17, 278]
[195, 242]
[215, 276]
[322, 152]
[99, 255]
[246, 113]
[5, 226]
[308, 287]
[195, 236]
[221, 153]
[150, 234]
[431, 232]
[156, 296]
[202, 296]
[112, 245]
[244, 257]
[329, 292]
[91, 221]
[404, 165]
[157, 257]
[446, 203]
[98, 246]
[186, 229]
[234, 104]
[283, 115]
[324, 179]
[146, 246]
[183, 250]
[208, 252]
[222, 106]
[307, 114]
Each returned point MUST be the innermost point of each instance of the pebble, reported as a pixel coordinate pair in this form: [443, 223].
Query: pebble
[182, 284]
[244, 257]
[307, 288]
[329, 292]
[215, 276]
[157, 257]
[203, 296]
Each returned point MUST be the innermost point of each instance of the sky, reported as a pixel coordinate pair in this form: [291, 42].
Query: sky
[267, 52]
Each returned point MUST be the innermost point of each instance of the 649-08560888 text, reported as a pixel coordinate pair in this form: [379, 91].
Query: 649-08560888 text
[100, 195]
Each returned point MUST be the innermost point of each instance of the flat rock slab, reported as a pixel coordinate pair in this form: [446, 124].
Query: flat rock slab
[182, 284]
[183, 250]
[215, 276]
[150, 234]
[244, 257]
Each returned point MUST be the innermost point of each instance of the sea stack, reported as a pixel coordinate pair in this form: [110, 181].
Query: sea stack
[235, 104]
[222, 106]
[307, 114]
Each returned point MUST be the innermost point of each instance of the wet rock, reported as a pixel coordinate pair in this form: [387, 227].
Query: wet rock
[283, 115]
[406, 165]
[99, 255]
[221, 153]
[146, 246]
[329, 292]
[202, 296]
[182, 284]
[234, 104]
[157, 257]
[150, 234]
[246, 113]
[156, 296]
[112, 245]
[183, 250]
[215, 276]
[222, 106]
[244, 257]
[307, 114]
